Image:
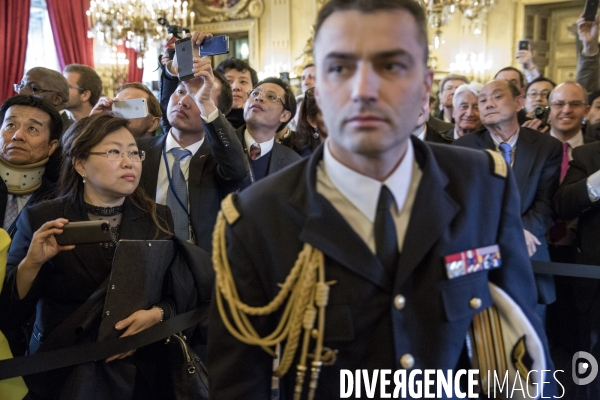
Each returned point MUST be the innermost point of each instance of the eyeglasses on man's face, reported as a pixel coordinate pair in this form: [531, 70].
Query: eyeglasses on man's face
[268, 95]
[116, 155]
[573, 104]
[34, 89]
[535, 95]
[77, 88]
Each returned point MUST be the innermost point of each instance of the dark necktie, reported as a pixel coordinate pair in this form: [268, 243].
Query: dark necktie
[564, 165]
[179, 187]
[12, 211]
[386, 239]
[255, 151]
[505, 150]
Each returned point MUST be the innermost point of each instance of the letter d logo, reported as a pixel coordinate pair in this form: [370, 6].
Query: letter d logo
[583, 367]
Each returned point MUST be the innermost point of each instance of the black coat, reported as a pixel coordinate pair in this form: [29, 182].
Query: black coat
[536, 170]
[572, 201]
[451, 214]
[44, 192]
[432, 135]
[218, 168]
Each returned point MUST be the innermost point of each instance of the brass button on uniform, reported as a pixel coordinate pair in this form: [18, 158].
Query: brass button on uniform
[399, 302]
[407, 361]
[475, 303]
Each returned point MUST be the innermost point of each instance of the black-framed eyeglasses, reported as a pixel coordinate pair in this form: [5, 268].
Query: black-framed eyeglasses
[78, 88]
[36, 90]
[573, 104]
[534, 95]
[269, 95]
[116, 155]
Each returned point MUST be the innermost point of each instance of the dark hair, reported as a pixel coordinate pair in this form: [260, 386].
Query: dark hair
[371, 6]
[593, 96]
[87, 133]
[304, 131]
[289, 100]
[88, 80]
[514, 90]
[539, 79]
[238, 65]
[521, 76]
[153, 104]
[53, 80]
[225, 99]
[25, 100]
[308, 66]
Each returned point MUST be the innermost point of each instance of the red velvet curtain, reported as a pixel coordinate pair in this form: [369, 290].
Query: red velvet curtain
[70, 26]
[14, 26]
[135, 73]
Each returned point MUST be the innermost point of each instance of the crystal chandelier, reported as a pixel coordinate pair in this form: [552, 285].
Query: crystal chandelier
[133, 23]
[439, 12]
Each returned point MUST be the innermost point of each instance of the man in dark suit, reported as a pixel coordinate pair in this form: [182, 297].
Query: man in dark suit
[465, 111]
[213, 163]
[448, 86]
[578, 197]
[425, 131]
[270, 106]
[370, 192]
[535, 159]
[30, 131]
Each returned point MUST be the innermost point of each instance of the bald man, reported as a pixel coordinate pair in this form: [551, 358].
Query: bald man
[48, 85]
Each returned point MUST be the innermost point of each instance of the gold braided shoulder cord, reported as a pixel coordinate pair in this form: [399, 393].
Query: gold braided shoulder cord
[307, 294]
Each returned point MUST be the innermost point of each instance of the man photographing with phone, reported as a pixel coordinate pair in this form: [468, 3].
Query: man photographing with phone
[144, 122]
[200, 160]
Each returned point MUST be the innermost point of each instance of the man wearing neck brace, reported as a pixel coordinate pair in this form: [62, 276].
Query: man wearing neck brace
[29, 135]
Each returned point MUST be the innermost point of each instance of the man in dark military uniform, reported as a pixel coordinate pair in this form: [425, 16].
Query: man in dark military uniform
[380, 216]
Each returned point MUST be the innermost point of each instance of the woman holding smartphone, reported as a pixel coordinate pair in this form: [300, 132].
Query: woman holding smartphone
[99, 181]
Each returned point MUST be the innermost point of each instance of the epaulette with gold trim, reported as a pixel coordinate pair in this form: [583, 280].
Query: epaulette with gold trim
[500, 165]
[228, 207]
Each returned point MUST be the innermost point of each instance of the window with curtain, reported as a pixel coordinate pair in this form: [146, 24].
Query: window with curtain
[41, 51]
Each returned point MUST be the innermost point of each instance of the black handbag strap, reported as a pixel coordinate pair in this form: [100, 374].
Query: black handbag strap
[66, 357]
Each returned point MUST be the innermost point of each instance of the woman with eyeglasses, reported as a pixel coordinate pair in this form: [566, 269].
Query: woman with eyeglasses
[310, 130]
[99, 181]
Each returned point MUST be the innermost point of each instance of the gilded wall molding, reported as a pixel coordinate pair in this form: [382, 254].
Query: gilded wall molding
[227, 10]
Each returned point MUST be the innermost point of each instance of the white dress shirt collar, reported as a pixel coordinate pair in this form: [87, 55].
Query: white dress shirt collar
[421, 135]
[171, 143]
[265, 147]
[575, 141]
[362, 191]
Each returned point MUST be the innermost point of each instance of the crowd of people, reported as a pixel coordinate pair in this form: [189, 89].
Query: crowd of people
[372, 192]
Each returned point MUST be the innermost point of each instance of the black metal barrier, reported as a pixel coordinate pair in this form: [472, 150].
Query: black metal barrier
[565, 269]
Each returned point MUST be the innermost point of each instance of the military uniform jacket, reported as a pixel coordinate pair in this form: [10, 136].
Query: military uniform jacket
[458, 206]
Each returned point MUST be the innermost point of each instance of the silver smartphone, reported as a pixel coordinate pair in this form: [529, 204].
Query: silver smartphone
[134, 108]
[185, 58]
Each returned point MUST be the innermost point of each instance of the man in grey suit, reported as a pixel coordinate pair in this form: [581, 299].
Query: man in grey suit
[270, 106]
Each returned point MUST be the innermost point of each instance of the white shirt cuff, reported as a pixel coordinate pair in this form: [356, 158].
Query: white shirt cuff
[168, 69]
[211, 117]
[532, 74]
[593, 186]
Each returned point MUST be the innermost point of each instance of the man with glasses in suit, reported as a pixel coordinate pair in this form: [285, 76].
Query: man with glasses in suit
[270, 106]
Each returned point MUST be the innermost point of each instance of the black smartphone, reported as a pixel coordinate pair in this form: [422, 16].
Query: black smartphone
[524, 44]
[185, 55]
[84, 232]
[214, 45]
[590, 10]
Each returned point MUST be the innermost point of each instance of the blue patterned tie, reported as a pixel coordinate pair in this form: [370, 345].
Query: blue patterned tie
[12, 211]
[178, 185]
[505, 150]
